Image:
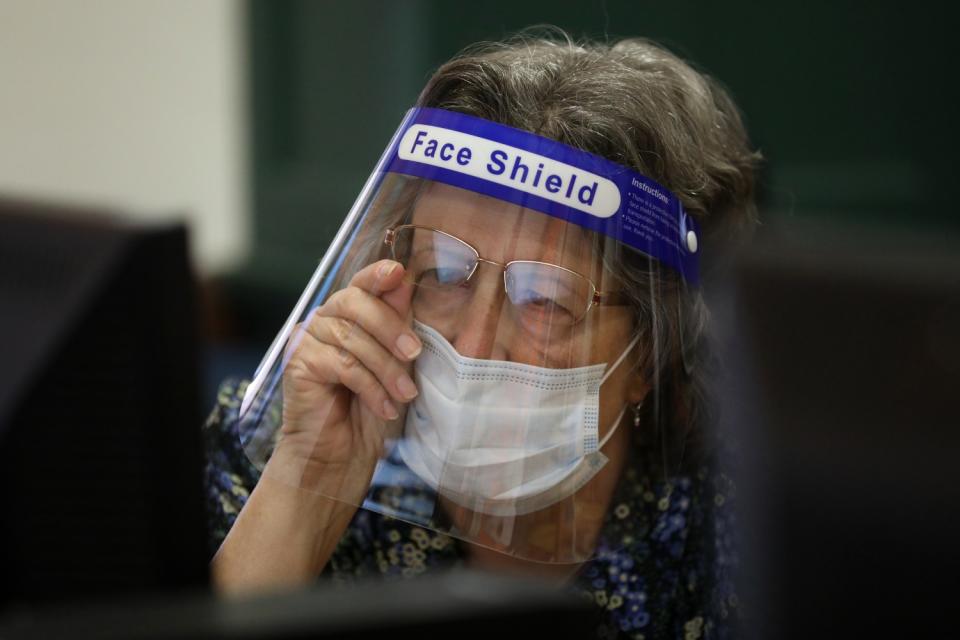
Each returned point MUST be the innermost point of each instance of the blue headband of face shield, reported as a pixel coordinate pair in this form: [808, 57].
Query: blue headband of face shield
[551, 177]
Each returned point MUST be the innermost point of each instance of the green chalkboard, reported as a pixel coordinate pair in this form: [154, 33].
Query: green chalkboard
[851, 103]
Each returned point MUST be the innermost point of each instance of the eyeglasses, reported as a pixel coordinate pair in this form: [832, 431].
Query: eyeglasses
[443, 265]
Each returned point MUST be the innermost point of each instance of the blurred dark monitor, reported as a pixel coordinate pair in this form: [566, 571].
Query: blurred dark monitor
[845, 350]
[444, 604]
[100, 453]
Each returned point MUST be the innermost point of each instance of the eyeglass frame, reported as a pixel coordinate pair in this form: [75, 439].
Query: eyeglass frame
[598, 298]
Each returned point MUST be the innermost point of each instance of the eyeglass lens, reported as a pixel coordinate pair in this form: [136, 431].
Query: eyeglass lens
[442, 266]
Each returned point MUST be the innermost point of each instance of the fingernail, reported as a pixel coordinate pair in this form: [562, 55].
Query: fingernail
[386, 269]
[408, 345]
[389, 411]
[406, 387]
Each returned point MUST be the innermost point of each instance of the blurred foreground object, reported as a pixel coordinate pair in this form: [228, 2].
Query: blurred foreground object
[459, 604]
[846, 350]
[100, 454]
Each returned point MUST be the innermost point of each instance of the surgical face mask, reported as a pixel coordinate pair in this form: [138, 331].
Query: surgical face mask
[499, 437]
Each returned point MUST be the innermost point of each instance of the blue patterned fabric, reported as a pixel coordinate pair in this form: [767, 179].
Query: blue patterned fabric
[664, 566]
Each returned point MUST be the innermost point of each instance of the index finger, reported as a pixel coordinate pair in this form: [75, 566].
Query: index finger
[384, 278]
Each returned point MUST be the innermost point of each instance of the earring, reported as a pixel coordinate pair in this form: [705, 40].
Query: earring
[636, 413]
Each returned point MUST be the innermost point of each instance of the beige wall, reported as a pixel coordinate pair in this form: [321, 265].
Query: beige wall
[132, 103]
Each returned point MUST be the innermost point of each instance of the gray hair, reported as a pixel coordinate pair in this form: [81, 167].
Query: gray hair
[639, 105]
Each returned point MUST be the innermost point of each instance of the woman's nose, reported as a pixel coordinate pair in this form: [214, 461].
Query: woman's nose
[478, 334]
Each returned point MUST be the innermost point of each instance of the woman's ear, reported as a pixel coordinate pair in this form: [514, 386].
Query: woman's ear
[637, 388]
[638, 383]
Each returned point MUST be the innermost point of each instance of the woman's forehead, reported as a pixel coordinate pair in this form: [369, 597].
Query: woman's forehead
[501, 230]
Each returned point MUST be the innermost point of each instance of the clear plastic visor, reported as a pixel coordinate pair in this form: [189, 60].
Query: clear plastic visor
[465, 364]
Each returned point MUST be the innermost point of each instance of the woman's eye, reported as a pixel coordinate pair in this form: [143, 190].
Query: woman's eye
[546, 305]
[441, 277]
[532, 298]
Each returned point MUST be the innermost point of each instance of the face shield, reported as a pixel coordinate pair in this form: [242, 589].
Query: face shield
[471, 353]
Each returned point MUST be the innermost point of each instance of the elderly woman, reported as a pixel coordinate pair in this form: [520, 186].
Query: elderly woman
[501, 363]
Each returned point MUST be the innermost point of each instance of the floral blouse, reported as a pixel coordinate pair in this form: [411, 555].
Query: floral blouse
[664, 566]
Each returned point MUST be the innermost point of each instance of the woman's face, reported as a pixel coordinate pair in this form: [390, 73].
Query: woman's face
[483, 323]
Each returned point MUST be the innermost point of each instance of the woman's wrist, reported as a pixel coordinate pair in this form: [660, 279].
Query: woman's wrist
[347, 481]
[287, 530]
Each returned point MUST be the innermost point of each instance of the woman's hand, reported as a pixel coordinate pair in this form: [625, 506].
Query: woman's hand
[347, 377]
[345, 381]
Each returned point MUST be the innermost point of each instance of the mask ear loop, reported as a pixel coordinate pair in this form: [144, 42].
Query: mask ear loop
[616, 423]
[619, 361]
[611, 369]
